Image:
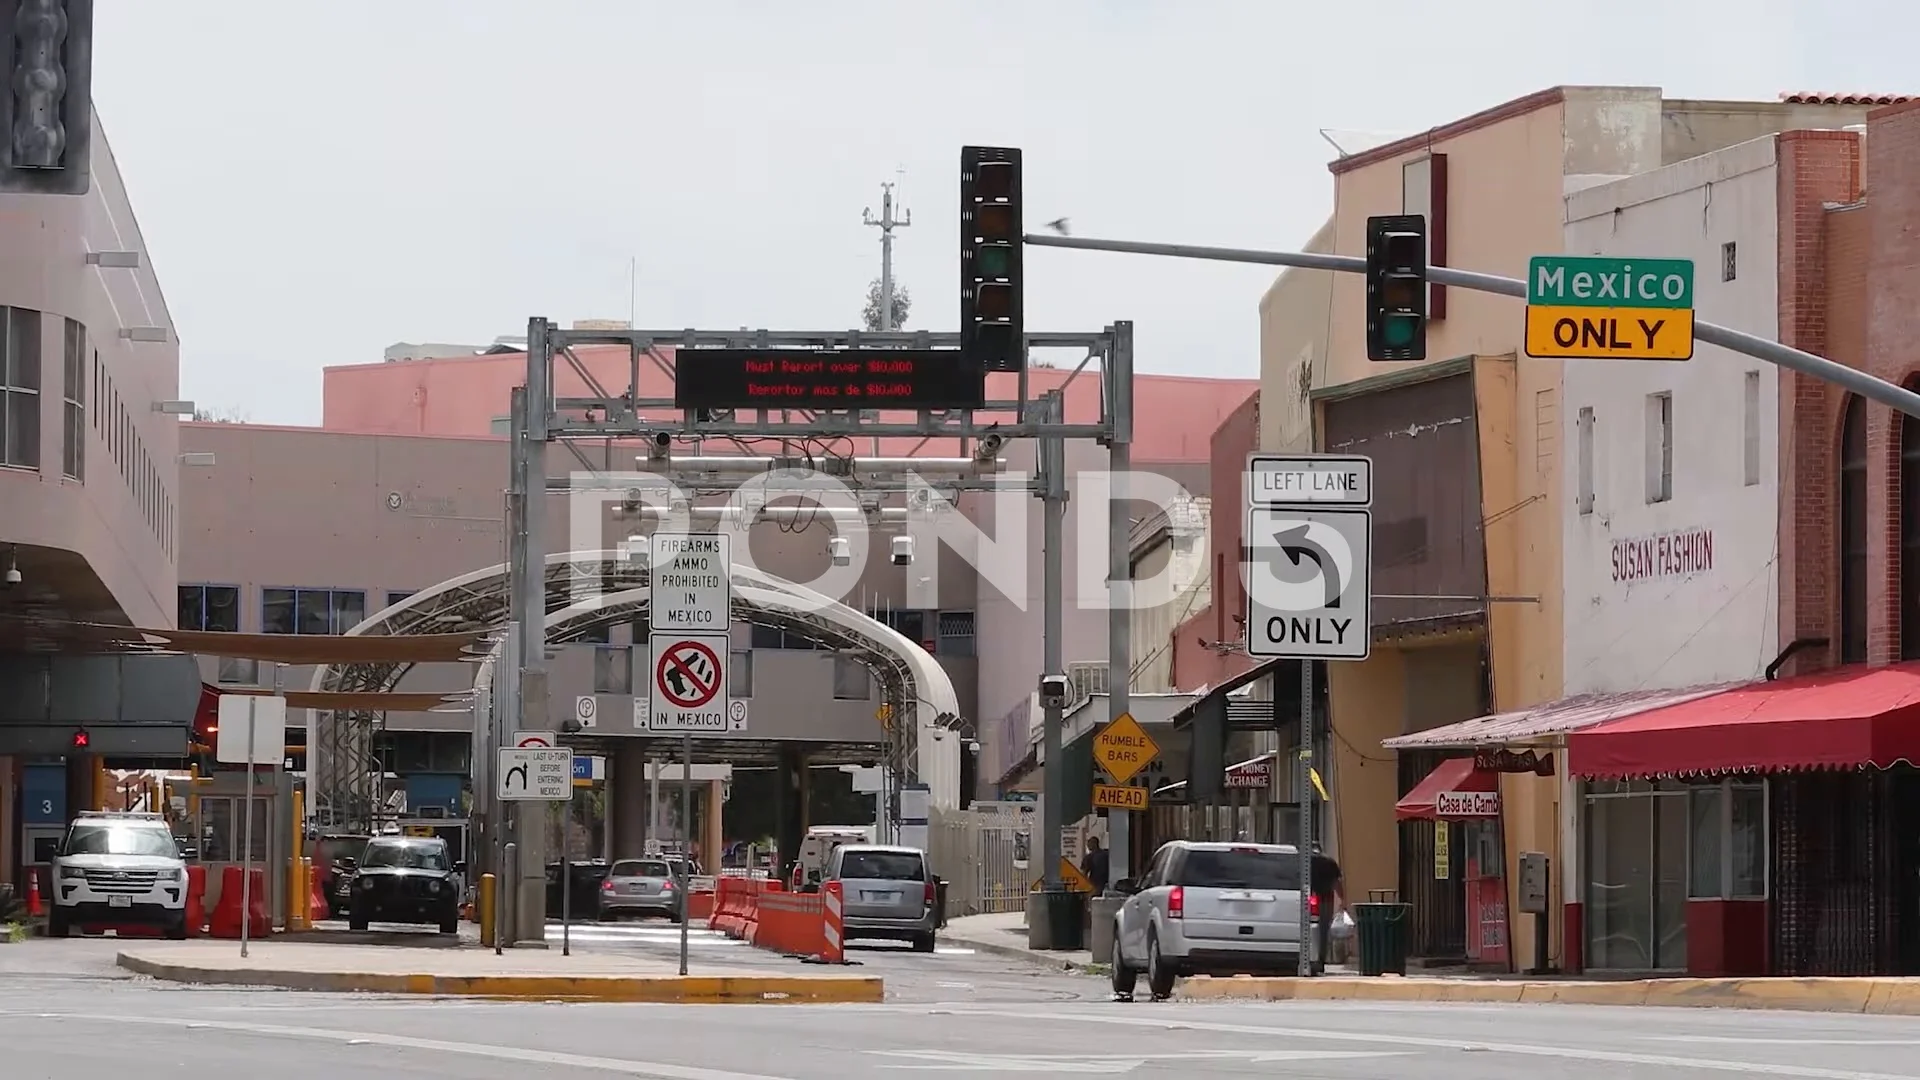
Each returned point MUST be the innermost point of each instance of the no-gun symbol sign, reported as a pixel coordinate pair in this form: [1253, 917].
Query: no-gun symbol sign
[688, 674]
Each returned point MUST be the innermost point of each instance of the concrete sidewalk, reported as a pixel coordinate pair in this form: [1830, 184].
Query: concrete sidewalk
[1005, 934]
[538, 974]
[1889, 997]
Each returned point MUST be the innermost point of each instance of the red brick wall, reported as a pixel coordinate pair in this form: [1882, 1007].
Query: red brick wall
[1815, 168]
[1891, 325]
[1194, 666]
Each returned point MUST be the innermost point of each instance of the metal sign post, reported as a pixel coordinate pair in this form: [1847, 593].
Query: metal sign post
[566, 878]
[1309, 538]
[686, 840]
[246, 831]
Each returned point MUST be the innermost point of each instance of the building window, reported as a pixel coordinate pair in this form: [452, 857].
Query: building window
[612, 670]
[311, 611]
[773, 637]
[1728, 264]
[597, 635]
[238, 671]
[910, 622]
[210, 607]
[1583, 434]
[851, 680]
[1909, 538]
[1423, 190]
[20, 387]
[1659, 447]
[1853, 532]
[73, 449]
[1727, 848]
[956, 633]
[397, 596]
[1750, 445]
[740, 673]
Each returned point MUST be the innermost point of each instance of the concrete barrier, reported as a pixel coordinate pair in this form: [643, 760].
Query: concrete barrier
[1884, 997]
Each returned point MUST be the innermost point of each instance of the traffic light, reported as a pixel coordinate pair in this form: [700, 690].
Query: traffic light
[82, 740]
[991, 226]
[1397, 287]
[46, 96]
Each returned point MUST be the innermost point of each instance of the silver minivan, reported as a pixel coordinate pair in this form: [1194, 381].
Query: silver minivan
[886, 892]
[1209, 909]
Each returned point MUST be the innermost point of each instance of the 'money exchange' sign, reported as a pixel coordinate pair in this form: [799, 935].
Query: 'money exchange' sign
[1582, 308]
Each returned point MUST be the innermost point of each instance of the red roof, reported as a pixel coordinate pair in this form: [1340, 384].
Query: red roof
[1839, 97]
[1453, 774]
[1842, 719]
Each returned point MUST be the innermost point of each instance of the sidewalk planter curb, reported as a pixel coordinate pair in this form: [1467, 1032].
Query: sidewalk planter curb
[656, 989]
[1016, 952]
[1879, 997]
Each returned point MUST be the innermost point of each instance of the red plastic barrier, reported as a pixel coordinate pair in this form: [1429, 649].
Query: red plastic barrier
[316, 898]
[226, 912]
[196, 900]
[726, 908]
[700, 906]
[789, 923]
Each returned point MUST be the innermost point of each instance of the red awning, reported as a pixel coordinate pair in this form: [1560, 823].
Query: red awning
[1840, 719]
[1453, 774]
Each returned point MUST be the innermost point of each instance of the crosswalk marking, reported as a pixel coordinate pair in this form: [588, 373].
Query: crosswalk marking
[644, 934]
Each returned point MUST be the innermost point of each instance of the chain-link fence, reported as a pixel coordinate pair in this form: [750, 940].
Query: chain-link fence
[974, 851]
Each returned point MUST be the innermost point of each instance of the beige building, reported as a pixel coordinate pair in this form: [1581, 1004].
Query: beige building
[1468, 449]
[89, 486]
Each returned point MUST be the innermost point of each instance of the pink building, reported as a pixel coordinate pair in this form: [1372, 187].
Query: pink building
[89, 511]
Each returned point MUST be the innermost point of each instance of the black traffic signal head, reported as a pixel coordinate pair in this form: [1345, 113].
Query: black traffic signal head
[1397, 287]
[992, 300]
[46, 96]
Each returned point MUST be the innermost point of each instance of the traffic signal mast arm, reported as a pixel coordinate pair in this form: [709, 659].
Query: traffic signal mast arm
[1859, 382]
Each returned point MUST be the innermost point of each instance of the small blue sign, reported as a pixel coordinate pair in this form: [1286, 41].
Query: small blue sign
[43, 795]
[582, 768]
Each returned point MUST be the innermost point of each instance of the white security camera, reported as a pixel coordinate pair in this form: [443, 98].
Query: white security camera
[841, 549]
[903, 551]
[1053, 691]
[13, 576]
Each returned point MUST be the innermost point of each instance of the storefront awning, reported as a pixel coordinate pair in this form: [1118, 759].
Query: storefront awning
[1453, 774]
[1841, 719]
[1548, 723]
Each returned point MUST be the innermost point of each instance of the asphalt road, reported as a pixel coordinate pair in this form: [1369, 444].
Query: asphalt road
[66, 1013]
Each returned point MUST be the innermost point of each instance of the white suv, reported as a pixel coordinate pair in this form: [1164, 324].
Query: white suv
[118, 869]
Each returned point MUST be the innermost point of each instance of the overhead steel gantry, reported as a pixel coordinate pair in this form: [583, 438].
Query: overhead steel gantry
[517, 698]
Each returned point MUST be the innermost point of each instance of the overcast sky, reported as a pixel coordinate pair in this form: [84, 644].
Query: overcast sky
[319, 181]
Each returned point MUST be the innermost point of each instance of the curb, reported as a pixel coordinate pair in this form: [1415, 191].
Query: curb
[654, 989]
[1016, 952]
[1874, 997]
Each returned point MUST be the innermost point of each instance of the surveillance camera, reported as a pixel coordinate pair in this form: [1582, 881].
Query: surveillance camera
[13, 576]
[663, 440]
[903, 551]
[841, 549]
[989, 446]
[1053, 691]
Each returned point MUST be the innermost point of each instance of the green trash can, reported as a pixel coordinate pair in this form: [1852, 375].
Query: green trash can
[1067, 918]
[1380, 932]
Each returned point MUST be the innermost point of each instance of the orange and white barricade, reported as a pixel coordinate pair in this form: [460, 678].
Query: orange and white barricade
[833, 930]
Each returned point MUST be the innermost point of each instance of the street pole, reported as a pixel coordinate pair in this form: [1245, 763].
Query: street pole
[686, 843]
[1859, 382]
[246, 835]
[886, 222]
[1118, 369]
[1053, 504]
[1305, 795]
[528, 577]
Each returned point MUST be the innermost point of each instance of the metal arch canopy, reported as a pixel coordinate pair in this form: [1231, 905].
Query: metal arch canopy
[478, 601]
[925, 683]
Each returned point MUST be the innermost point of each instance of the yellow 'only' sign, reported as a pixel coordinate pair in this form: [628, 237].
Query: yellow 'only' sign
[1115, 797]
[1596, 333]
